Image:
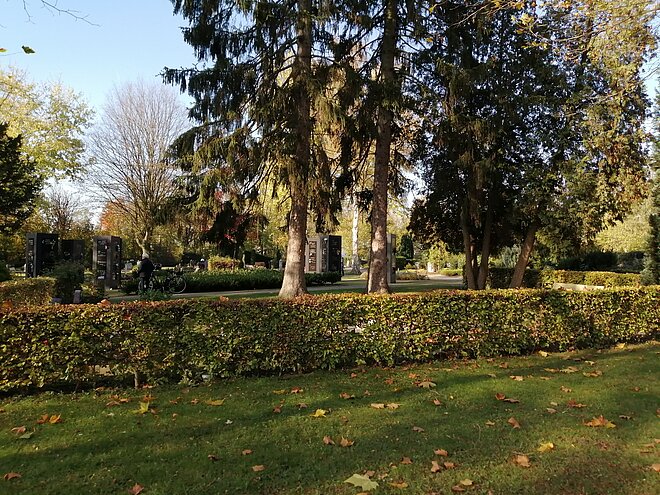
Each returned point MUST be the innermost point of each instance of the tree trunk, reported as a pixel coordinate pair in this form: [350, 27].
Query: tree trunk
[294, 272]
[485, 251]
[378, 265]
[356, 265]
[144, 242]
[523, 258]
[469, 252]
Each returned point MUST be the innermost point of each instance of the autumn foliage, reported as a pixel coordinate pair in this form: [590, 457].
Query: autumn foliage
[173, 340]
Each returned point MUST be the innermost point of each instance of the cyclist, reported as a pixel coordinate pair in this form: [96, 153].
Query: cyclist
[145, 269]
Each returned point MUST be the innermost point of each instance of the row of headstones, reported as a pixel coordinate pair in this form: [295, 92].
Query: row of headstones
[44, 250]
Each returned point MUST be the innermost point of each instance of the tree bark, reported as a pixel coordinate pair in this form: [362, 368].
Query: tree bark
[468, 249]
[485, 251]
[356, 265]
[378, 265]
[523, 258]
[294, 272]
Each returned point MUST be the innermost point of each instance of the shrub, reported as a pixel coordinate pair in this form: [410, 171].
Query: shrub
[499, 278]
[173, 340]
[450, 272]
[68, 276]
[223, 263]
[27, 292]
[4, 272]
[412, 275]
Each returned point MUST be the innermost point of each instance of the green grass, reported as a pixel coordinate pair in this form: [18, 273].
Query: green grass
[100, 449]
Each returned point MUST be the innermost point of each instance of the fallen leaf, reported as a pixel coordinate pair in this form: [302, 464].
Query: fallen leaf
[43, 419]
[521, 460]
[319, 413]
[512, 421]
[418, 429]
[246, 452]
[406, 460]
[489, 423]
[570, 369]
[259, 467]
[492, 375]
[544, 378]
[551, 410]
[457, 488]
[551, 370]
[437, 402]
[297, 390]
[378, 406]
[136, 490]
[277, 409]
[655, 467]
[11, 476]
[466, 482]
[217, 402]
[566, 389]
[426, 384]
[213, 457]
[399, 484]
[55, 419]
[620, 346]
[392, 405]
[500, 396]
[143, 408]
[194, 402]
[389, 381]
[441, 452]
[623, 416]
[26, 436]
[345, 442]
[504, 365]
[635, 389]
[575, 405]
[593, 374]
[435, 467]
[546, 447]
[600, 421]
[510, 400]
[362, 482]
[148, 398]
[328, 440]
[449, 465]
[353, 375]
[280, 392]
[543, 354]
[516, 378]
[346, 396]
[19, 430]
[302, 405]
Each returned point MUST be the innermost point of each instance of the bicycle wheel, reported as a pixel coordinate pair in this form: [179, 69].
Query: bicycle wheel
[177, 284]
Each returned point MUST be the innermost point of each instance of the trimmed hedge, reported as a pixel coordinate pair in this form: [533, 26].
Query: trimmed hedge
[184, 339]
[27, 292]
[499, 278]
[214, 281]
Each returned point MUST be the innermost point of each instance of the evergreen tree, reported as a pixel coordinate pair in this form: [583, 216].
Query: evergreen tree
[651, 273]
[257, 90]
[19, 183]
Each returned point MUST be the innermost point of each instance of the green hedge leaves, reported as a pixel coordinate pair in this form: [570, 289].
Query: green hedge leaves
[185, 339]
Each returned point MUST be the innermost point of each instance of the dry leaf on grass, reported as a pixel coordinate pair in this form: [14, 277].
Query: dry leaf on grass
[600, 421]
[546, 447]
[345, 442]
[136, 489]
[441, 452]
[258, 468]
[406, 460]
[513, 422]
[11, 476]
[521, 460]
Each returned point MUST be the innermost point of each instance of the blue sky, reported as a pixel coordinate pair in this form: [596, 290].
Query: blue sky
[121, 40]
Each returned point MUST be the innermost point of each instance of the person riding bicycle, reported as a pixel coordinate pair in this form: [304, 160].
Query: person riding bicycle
[145, 269]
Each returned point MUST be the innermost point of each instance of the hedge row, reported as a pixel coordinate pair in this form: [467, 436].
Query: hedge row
[185, 339]
[500, 278]
[27, 292]
[213, 281]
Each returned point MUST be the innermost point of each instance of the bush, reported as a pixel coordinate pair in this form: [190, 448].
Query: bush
[183, 339]
[593, 261]
[27, 292]
[450, 272]
[412, 275]
[4, 272]
[223, 263]
[500, 278]
[68, 276]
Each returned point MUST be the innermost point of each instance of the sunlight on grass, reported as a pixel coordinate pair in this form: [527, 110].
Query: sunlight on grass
[187, 443]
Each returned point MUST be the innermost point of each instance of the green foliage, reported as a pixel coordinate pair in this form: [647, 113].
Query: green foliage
[223, 263]
[68, 276]
[412, 275]
[406, 248]
[27, 292]
[184, 339]
[652, 262]
[228, 280]
[19, 183]
[4, 272]
[499, 278]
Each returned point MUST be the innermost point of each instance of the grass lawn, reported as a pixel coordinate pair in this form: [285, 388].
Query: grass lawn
[259, 435]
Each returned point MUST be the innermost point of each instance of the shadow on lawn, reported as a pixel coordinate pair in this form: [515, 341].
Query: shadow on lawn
[169, 454]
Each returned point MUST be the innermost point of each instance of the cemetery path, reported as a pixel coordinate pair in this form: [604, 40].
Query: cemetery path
[355, 285]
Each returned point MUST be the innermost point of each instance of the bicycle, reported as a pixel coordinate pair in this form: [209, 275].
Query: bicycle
[173, 283]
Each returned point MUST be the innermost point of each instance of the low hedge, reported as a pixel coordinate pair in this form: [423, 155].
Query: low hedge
[27, 292]
[500, 278]
[223, 280]
[184, 339]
